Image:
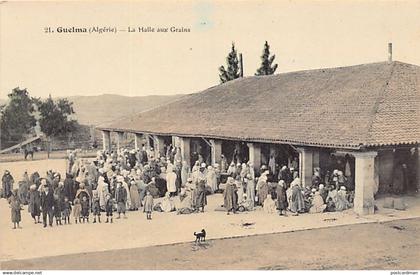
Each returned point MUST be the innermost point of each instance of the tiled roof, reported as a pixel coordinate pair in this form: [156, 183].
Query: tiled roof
[351, 107]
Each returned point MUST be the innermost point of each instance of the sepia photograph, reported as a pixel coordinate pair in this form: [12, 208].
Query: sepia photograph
[210, 135]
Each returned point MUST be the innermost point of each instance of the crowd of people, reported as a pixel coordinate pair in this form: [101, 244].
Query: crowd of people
[130, 180]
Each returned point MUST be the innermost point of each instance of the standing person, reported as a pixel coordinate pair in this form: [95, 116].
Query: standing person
[223, 164]
[201, 195]
[109, 205]
[69, 185]
[121, 197]
[102, 189]
[297, 199]
[240, 189]
[85, 209]
[15, 206]
[229, 197]
[250, 191]
[171, 181]
[281, 198]
[262, 188]
[57, 209]
[7, 184]
[77, 210]
[148, 205]
[34, 203]
[96, 207]
[47, 205]
[66, 210]
[211, 179]
[134, 195]
[24, 188]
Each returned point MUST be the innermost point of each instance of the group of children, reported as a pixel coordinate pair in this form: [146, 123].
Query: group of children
[80, 208]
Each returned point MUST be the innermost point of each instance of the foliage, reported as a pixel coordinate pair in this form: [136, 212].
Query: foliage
[232, 71]
[55, 116]
[17, 117]
[266, 67]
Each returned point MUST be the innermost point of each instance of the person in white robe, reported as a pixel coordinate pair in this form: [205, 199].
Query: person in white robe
[171, 180]
[269, 205]
[102, 189]
[318, 205]
[211, 179]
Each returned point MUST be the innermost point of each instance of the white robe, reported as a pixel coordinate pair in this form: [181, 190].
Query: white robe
[170, 182]
[212, 179]
[102, 189]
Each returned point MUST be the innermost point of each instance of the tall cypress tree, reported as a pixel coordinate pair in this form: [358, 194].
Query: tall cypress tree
[266, 67]
[232, 71]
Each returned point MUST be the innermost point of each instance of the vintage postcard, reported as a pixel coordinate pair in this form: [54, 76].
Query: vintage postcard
[210, 135]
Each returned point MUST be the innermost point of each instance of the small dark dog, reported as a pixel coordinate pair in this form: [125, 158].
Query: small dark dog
[200, 236]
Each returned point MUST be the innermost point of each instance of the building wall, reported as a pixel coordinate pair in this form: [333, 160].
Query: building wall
[385, 161]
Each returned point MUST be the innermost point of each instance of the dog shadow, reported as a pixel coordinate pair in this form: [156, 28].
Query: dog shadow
[196, 246]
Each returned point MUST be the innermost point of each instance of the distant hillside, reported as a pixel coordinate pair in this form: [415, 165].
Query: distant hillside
[94, 110]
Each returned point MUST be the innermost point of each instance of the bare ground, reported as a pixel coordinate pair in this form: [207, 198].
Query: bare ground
[388, 245]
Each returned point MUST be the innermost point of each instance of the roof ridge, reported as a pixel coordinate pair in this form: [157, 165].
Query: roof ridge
[378, 101]
[105, 124]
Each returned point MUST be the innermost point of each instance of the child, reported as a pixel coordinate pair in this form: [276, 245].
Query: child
[148, 205]
[96, 208]
[66, 210]
[85, 209]
[109, 204]
[15, 209]
[57, 210]
[34, 203]
[77, 209]
[121, 197]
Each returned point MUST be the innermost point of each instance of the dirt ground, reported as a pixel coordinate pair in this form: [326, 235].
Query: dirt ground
[390, 245]
[163, 242]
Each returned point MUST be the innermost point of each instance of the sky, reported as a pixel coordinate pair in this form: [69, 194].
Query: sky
[302, 34]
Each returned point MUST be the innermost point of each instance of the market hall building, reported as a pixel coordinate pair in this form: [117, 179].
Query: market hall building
[366, 117]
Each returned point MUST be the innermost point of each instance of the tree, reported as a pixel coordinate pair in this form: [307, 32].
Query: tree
[55, 118]
[16, 118]
[266, 67]
[232, 71]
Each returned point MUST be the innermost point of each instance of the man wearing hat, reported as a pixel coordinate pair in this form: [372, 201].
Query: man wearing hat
[7, 184]
[47, 203]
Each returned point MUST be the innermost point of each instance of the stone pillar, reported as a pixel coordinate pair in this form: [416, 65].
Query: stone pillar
[137, 140]
[159, 144]
[216, 151]
[120, 138]
[364, 201]
[184, 144]
[306, 166]
[255, 155]
[106, 140]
